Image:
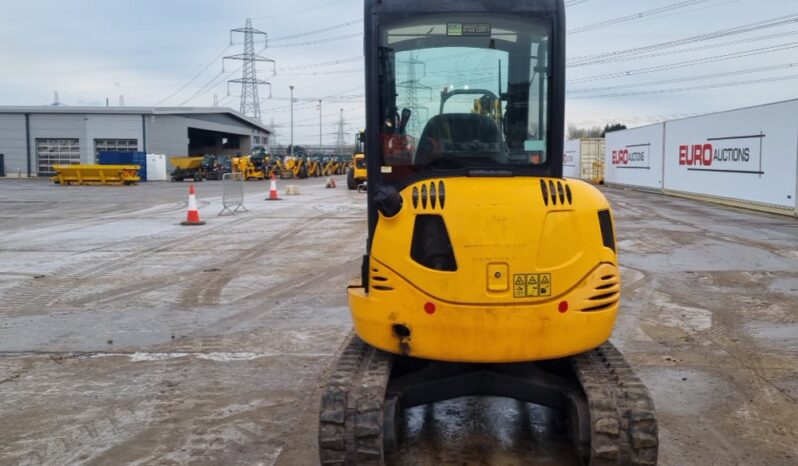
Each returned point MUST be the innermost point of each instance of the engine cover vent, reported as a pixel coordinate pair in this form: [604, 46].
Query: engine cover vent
[429, 196]
[556, 193]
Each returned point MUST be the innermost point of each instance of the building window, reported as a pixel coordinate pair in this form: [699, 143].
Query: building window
[114, 145]
[51, 152]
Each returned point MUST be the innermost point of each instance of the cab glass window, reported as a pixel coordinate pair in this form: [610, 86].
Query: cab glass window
[464, 91]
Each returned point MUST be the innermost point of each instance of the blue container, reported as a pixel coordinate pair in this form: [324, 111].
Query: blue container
[125, 158]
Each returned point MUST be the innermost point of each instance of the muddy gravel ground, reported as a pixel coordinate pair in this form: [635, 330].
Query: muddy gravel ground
[128, 339]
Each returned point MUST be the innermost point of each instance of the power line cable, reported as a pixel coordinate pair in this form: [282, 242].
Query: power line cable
[300, 10]
[317, 31]
[320, 64]
[690, 10]
[636, 16]
[692, 88]
[684, 79]
[202, 69]
[683, 64]
[692, 49]
[325, 73]
[213, 83]
[633, 119]
[319, 41]
[750, 27]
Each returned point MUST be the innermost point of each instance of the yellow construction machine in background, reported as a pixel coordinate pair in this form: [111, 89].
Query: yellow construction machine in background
[294, 167]
[356, 173]
[314, 166]
[251, 167]
[334, 166]
[187, 168]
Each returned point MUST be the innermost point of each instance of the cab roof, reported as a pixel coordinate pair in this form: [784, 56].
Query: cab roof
[411, 7]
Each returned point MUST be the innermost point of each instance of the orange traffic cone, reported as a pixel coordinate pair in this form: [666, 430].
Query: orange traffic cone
[273, 196]
[192, 218]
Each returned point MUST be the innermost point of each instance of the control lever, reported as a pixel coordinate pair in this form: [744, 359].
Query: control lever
[405, 118]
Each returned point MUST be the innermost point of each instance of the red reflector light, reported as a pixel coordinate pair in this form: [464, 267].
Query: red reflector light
[429, 308]
[563, 307]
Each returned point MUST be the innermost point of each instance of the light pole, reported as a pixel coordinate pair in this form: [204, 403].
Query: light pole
[341, 134]
[292, 120]
[320, 148]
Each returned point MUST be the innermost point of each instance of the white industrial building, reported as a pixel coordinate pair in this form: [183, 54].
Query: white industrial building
[32, 139]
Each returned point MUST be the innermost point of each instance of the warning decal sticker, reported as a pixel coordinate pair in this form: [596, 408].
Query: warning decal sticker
[468, 29]
[535, 285]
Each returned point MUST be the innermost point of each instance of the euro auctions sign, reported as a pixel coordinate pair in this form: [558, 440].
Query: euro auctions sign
[569, 159]
[733, 154]
[635, 156]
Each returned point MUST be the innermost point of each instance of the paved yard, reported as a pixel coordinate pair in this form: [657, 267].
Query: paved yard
[126, 338]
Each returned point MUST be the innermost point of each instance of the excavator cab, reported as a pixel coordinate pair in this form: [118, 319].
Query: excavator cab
[486, 272]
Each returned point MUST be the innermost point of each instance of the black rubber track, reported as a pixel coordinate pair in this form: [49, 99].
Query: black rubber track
[351, 415]
[622, 420]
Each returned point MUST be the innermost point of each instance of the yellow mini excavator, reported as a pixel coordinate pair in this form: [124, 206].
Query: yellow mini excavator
[357, 173]
[486, 273]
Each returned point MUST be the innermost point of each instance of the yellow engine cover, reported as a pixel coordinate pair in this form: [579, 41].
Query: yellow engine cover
[533, 277]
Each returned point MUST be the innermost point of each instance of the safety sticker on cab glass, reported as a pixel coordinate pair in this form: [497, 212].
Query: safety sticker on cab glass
[468, 29]
[534, 285]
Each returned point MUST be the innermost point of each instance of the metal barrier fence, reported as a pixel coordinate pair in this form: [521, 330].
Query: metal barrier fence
[232, 193]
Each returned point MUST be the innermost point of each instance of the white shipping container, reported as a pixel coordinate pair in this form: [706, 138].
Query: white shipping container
[583, 159]
[591, 159]
[748, 155]
[633, 157]
[571, 159]
[156, 167]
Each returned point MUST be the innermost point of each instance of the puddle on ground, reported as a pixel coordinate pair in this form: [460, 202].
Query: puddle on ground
[480, 431]
[688, 319]
[687, 391]
[776, 337]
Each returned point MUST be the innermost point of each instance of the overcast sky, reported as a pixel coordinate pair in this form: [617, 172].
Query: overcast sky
[149, 51]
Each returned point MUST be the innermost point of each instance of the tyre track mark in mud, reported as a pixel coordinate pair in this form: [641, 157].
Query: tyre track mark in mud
[288, 243]
[199, 422]
[762, 419]
[161, 411]
[708, 233]
[741, 360]
[47, 291]
[207, 289]
[93, 218]
[200, 287]
[285, 290]
[751, 373]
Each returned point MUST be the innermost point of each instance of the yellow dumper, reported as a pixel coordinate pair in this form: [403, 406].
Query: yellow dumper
[187, 168]
[96, 174]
